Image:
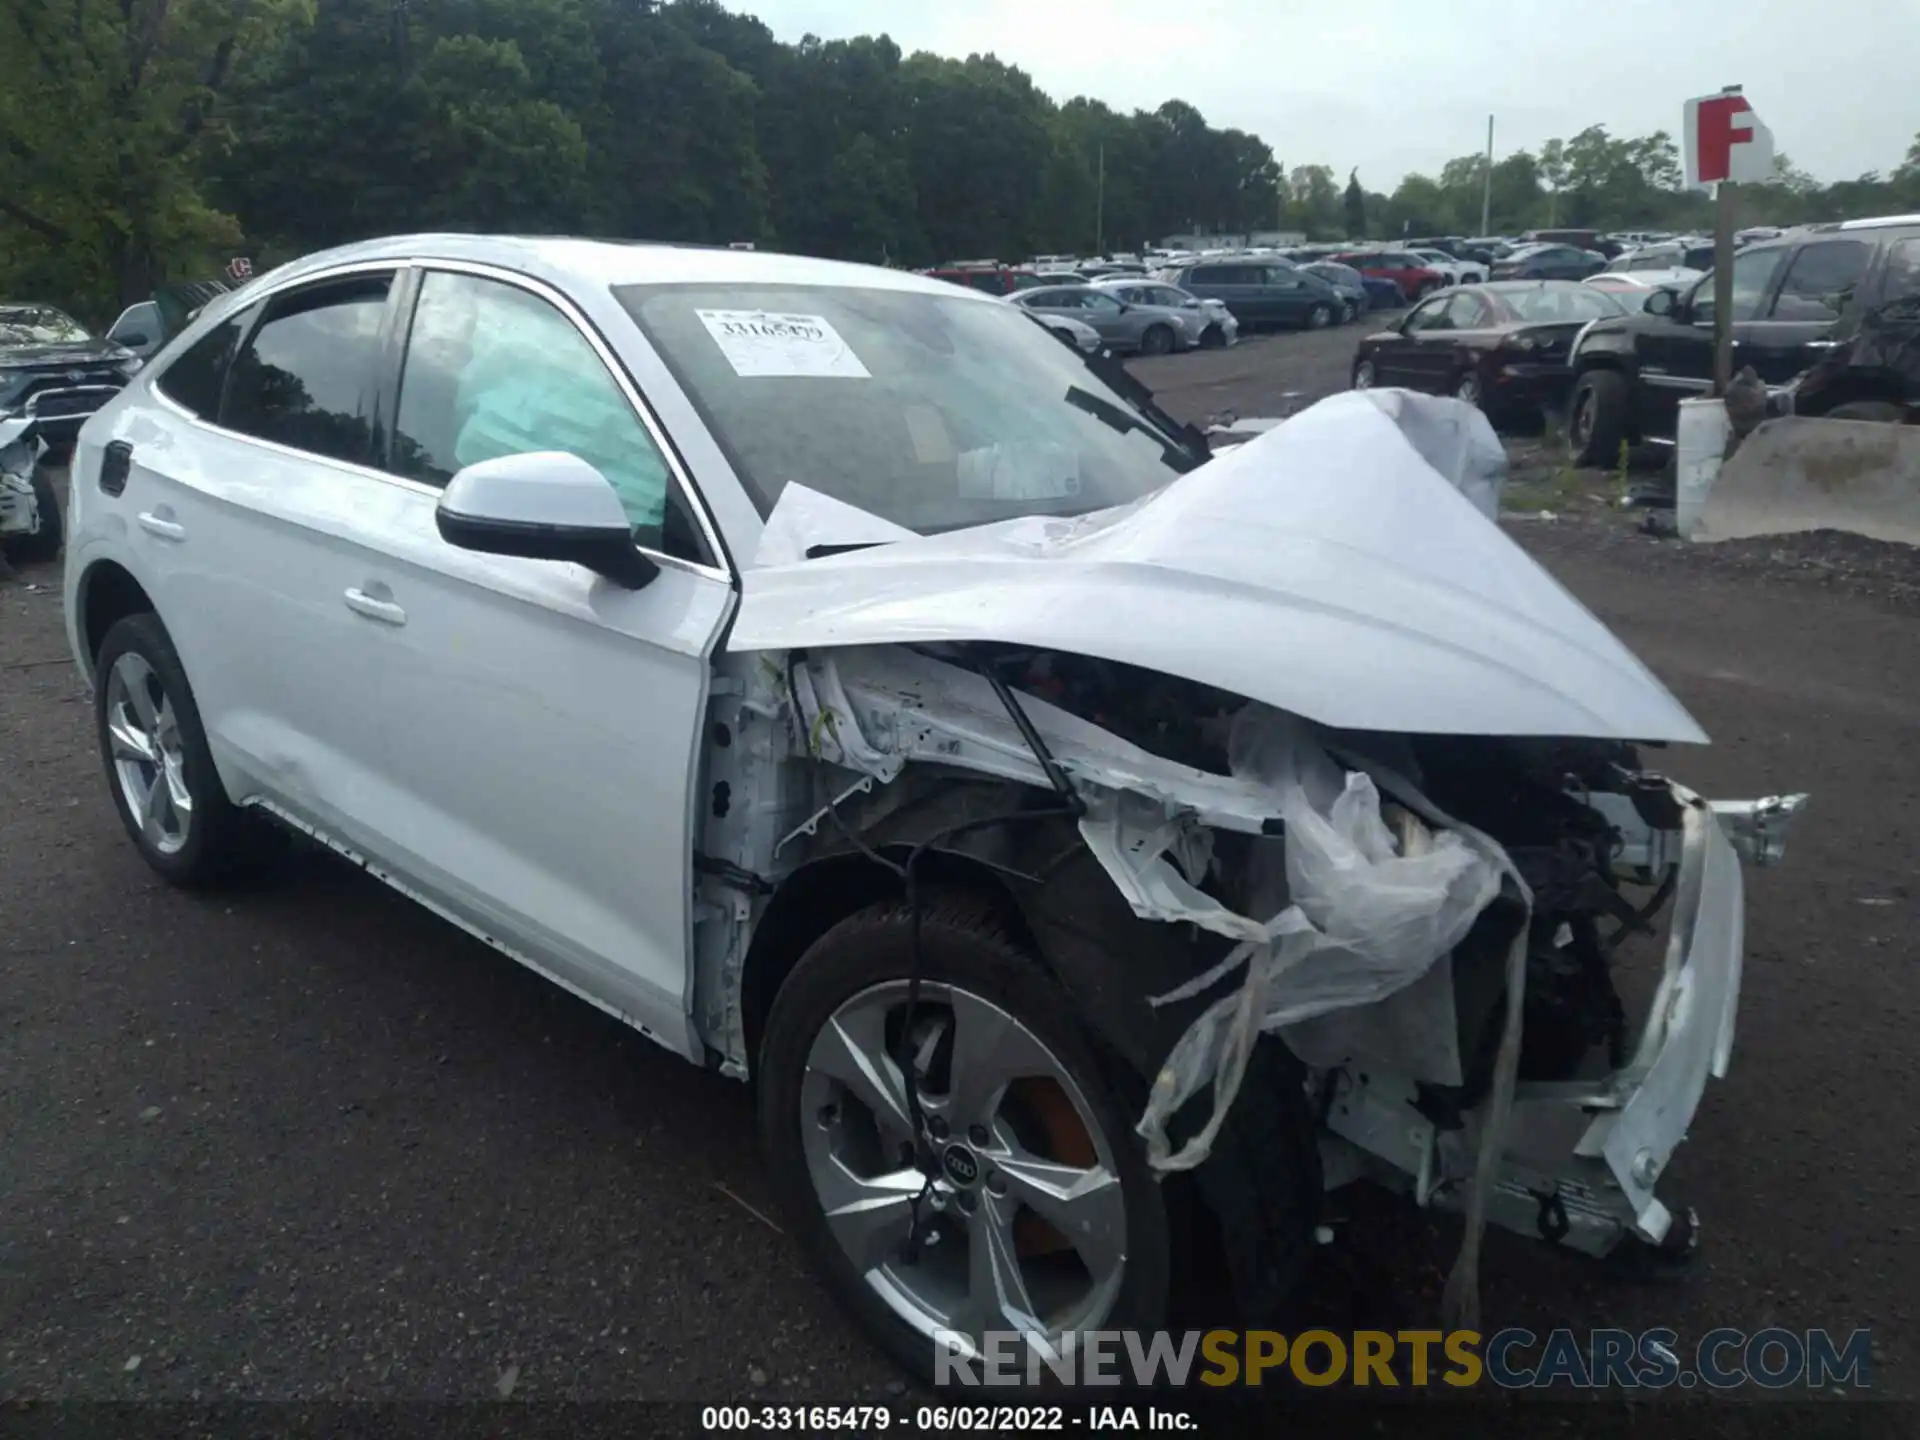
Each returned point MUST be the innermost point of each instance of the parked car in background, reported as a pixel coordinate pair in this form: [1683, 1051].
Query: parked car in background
[1351, 285]
[1262, 293]
[1633, 290]
[1578, 239]
[57, 372]
[1833, 303]
[139, 329]
[1503, 346]
[1411, 275]
[1220, 328]
[1052, 277]
[1694, 255]
[1142, 329]
[1548, 262]
[1458, 271]
[1076, 334]
[988, 276]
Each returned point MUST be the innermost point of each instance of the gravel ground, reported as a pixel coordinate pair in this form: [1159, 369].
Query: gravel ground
[309, 1143]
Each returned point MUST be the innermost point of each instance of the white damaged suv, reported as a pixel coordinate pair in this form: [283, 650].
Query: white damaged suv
[1092, 851]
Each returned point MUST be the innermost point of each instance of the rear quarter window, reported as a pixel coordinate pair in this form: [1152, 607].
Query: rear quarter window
[194, 379]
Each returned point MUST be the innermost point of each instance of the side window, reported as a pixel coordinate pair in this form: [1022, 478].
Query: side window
[1430, 316]
[1099, 302]
[1753, 272]
[1903, 271]
[194, 378]
[302, 379]
[494, 370]
[1821, 280]
[1279, 277]
[1468, 312]
[142, 319]
[1060, 300]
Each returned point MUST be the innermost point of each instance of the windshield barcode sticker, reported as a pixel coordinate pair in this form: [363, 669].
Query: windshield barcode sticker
[761, 343]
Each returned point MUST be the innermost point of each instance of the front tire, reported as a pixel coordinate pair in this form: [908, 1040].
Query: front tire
[43, 542]
[159, 770]
[1597, 418]
[1364, 375]
[1023, 1118]
[1213, 338]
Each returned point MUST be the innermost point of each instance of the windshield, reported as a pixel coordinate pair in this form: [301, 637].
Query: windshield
[39, 325]
[931, 412]
[1556, 303]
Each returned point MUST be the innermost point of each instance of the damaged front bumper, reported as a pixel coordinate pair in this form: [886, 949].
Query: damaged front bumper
[1581, 1159]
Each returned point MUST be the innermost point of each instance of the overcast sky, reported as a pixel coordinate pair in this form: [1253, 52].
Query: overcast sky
[1411, 84]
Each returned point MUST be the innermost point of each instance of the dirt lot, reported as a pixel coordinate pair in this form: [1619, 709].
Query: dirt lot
[311, 1143]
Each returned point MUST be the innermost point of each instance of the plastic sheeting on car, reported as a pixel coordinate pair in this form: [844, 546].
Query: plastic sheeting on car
[1361, 913]
[1452, 436]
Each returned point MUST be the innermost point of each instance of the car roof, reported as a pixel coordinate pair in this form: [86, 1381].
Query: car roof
[1515, 287]
[566, 260]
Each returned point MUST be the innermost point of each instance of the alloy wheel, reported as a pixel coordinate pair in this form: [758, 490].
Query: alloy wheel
[1363, 375]
[149, 758]
[1017, 1222]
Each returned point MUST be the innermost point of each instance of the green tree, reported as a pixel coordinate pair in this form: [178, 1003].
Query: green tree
[1354, 207]
[1314, 201]
[107, 116]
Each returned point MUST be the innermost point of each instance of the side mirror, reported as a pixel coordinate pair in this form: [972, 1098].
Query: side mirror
[546, 505]
[1660, 302]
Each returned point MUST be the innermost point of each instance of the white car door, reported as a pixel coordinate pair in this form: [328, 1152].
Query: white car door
[246, 499]
[542, 725]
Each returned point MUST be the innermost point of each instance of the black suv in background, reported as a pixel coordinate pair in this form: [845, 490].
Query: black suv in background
[1828, 315]
[55, 370]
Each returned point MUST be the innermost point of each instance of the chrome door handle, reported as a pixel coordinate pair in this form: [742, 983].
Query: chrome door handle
[374, 608]
[159, 525]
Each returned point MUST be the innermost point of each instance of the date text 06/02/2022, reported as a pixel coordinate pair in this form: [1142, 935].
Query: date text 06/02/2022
[940, 1418]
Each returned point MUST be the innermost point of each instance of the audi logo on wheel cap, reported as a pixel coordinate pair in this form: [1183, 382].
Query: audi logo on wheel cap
[961, 1166]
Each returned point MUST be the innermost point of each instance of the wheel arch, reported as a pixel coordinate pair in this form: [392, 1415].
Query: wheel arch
[1055, 899]
[107, 593]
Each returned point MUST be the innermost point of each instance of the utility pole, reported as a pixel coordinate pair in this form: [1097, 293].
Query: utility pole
[1100, 204]
[1723, 279]
[1486, 190]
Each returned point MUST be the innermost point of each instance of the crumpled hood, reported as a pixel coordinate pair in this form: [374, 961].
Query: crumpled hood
[1325, 568]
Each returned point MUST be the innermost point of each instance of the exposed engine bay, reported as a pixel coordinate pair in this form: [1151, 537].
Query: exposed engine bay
[1549, 855]
[1525, 793]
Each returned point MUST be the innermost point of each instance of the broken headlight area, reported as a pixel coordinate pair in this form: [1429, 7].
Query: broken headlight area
[1380, 902]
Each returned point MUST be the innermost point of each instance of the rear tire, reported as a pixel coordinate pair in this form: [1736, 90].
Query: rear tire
[1878, 411]
[1597, 418]
[1158, 340]
[187, 829]
[1364, 375]
[1320, 316]
[43, 542]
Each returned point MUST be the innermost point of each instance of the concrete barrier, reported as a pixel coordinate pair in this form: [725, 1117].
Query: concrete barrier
[1795, 474]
